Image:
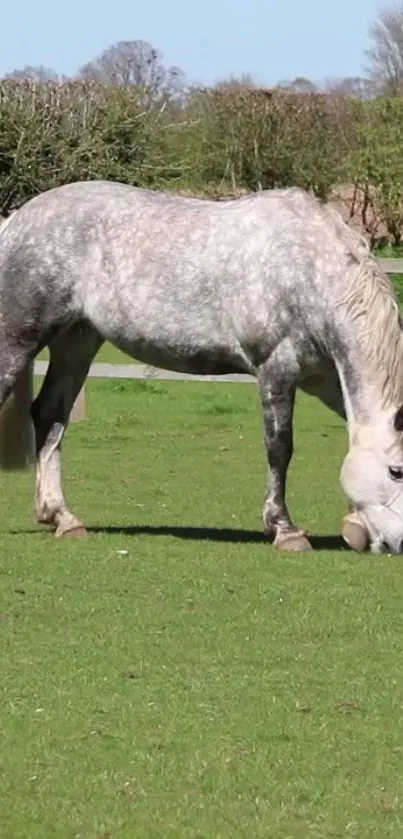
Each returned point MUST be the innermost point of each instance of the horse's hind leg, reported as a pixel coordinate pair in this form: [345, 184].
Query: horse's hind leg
[16, 395]
[70, 358]
[277, 382]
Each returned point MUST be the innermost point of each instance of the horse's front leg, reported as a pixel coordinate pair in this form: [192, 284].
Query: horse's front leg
[277, 393]
[326, 387]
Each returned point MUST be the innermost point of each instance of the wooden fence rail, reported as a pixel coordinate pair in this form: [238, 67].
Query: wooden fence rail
[141, 371]
[392, 266]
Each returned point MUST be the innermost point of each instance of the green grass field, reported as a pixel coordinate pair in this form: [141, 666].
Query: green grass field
[174, 677]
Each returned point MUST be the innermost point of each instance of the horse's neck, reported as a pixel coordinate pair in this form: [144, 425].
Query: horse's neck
[368, 344]
[361, 391]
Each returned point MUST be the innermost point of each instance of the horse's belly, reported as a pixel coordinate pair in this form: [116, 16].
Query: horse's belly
[185, 338]
[196, 360]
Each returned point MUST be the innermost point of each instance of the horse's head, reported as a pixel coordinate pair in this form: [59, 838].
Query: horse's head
[372, 478]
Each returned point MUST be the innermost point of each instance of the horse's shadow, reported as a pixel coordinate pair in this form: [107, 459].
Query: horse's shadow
[226, 535]
[215, 534]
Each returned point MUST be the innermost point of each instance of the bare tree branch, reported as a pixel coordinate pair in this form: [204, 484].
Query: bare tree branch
[385, 55]
[135, 63]
[36, 74]
[235, 83]
[353, 86]
[297, 85]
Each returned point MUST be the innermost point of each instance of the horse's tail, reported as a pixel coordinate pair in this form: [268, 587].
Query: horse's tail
[17, 449]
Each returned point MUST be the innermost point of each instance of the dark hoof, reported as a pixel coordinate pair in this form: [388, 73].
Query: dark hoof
[293, 542]
[78, 532]
[355, 534]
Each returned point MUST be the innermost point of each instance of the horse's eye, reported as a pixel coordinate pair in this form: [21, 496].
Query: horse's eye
[396, 473]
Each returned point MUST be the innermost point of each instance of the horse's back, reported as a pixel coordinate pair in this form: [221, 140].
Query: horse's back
[167, 276]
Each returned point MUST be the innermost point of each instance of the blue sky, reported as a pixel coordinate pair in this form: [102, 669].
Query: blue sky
[209, 39]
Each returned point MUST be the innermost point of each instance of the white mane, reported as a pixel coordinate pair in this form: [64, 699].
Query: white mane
[371, 303]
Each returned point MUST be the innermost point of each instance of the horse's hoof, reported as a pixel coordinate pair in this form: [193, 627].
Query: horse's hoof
[78, 532]
[355, 534]
[293, 542]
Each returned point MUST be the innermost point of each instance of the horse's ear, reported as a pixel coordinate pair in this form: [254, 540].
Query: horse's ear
[398, 421]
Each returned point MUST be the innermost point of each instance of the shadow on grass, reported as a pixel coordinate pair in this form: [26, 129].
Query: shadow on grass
[215, 534]
[328, 542]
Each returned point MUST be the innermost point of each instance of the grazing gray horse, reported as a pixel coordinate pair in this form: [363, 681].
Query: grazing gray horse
[273, 284]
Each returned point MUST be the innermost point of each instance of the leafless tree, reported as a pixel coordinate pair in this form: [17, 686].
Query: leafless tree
[385, 54]
[353, 86]
[135, 63]
[237, 83]
[36, 74]
[298, 85]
